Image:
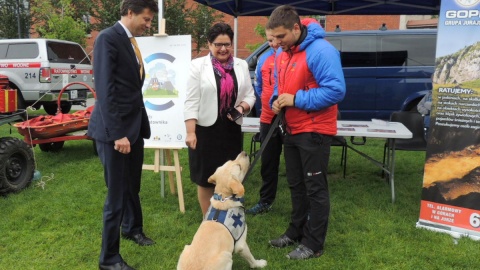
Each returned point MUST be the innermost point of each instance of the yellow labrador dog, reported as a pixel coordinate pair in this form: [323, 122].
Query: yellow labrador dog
[223, 230]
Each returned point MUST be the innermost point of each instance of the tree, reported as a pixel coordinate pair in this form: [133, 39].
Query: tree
[54, 19]
[14, 19]
[69, 16]
[202, 19]
[106, 13]
[260, 31]
[176, 17]
[82, 10]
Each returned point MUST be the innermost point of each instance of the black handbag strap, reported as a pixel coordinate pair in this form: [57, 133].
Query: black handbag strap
[274, 125]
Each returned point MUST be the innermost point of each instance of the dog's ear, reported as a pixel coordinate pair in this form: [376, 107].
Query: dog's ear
[236, 171]
[237, 188]
[212, 179]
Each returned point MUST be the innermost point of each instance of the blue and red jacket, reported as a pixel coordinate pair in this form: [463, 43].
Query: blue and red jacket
[312, 71]
[263, 83]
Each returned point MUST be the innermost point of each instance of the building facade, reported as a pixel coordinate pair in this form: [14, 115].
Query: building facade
[246, 27]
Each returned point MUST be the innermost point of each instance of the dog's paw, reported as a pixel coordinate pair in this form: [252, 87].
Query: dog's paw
[259, 264]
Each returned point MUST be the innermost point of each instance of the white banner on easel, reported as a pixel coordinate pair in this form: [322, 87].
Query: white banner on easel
[167, 61]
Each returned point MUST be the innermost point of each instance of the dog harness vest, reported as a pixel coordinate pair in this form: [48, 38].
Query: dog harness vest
[233, 219]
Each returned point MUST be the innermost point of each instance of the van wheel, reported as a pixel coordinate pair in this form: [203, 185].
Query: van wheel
[16, 165]
[413, 106]
[51, 108]
[66, 107]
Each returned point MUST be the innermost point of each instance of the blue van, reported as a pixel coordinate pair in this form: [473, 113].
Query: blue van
[385, 71]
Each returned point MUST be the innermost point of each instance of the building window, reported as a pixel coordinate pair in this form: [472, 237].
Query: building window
[322, 19]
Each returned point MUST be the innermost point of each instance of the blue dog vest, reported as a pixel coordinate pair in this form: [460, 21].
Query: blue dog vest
[233, 219]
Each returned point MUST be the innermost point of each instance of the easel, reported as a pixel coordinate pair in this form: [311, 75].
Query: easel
[158, 162]
[159, 166]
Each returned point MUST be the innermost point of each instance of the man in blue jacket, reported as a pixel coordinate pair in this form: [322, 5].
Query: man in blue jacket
[263, 84]
[309, 83]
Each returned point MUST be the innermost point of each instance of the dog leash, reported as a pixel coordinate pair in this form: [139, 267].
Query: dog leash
[275, 124]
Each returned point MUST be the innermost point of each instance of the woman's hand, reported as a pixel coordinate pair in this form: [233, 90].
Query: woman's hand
[234, 113]
[191, 140]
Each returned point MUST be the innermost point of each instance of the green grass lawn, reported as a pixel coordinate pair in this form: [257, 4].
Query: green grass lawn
[56, 222]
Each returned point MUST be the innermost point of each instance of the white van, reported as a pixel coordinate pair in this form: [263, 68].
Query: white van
[40, 68]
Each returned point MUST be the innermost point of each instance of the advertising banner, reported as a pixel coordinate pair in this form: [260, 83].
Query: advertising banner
[451, 183]
[167, 61]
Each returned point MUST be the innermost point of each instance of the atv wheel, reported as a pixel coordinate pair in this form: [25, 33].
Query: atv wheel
[16, 164]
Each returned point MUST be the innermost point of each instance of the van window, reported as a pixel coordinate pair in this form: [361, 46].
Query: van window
[358, 59]
[3, 50]
[19, 51]
[59, 52]
[407, 50]
[356, 51]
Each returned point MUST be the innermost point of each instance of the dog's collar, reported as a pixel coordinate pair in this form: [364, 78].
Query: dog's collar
[218, 197]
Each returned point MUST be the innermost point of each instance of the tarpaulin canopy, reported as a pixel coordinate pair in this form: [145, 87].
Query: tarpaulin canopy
[327, 7]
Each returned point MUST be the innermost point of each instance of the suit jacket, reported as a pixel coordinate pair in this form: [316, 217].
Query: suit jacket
[119, 109]
[201, 102]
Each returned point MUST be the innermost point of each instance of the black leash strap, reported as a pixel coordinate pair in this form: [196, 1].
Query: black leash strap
[274, 125]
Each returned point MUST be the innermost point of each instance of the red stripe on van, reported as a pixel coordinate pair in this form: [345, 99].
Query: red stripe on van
[71, 71]
[20, 65]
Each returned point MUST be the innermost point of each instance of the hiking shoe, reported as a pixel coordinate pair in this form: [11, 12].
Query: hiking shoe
[281, 242]
[259, 208]
[302, 253]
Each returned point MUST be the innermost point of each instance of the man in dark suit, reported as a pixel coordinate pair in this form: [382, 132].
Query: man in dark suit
[118, 124]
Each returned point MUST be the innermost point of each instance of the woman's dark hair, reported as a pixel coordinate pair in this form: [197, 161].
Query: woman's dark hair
[219, 29]
[137, 6]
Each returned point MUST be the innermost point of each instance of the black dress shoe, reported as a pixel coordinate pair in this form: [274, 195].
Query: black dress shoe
[139, 238]
[117, 266]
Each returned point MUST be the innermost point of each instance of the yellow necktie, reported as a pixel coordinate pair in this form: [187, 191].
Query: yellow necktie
[138, 54]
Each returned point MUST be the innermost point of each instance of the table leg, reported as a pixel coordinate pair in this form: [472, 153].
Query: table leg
[388, 167]
[392, 168]
[388, 162]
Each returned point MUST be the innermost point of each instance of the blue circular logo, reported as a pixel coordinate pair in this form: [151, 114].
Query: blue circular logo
[160, 81]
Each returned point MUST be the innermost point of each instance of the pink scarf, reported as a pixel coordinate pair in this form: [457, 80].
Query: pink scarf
[226, 81]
